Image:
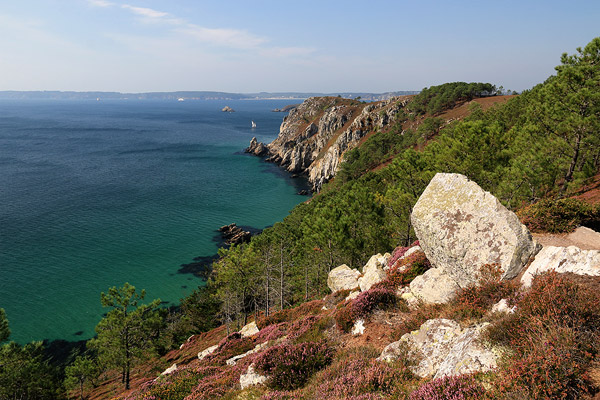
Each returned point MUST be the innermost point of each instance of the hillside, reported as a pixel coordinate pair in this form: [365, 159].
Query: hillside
[411, 275]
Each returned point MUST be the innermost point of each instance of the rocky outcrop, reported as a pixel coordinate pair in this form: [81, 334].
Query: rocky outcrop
[563, 259]
[373, 271]
[434, 287]
[343, 278]
[251, 378]
[233, 360]
[441, 348]
[461, 227]
[359, 327]
[249, 329]
[287, 108]
[256, 148]
[233, 234]
[315, 135]
[227, 109]
[169, 370]
[206, 352]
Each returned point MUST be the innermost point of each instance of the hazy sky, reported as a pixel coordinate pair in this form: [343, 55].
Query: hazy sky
[254, 45]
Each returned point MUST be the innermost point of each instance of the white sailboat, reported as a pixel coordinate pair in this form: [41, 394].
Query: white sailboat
[253, 124]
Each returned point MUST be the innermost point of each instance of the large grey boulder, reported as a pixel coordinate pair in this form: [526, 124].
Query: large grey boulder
[343, 278]
[563, 259]
[461, 227]
[434, 287]
[441, 348]
[373, 271]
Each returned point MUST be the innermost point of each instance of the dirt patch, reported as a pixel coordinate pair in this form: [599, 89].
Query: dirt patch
[582, 237]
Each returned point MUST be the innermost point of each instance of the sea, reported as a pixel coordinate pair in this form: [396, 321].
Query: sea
[94, 194]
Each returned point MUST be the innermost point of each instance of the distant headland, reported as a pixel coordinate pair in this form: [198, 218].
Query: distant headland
[190, 95]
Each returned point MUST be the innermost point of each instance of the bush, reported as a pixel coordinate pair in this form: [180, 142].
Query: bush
[554, 336]
[290, 366]
[555, 216]
[380, 296]
[461, 387]
[476, 301]
[407, 269]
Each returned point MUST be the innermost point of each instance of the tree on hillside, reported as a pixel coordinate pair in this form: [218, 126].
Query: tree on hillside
[81, 372]
[4, 329]
[567, 111]
[127, 332]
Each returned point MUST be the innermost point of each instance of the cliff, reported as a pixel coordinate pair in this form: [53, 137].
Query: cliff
[314, 136]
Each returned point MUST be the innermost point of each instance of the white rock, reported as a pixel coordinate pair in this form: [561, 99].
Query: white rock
[235, 359]
[251, 378]
[434, 287]
[442, 348]
[563, 259]
[359, 327]
[249, 329]
[207, 351]
[461, 227]
[343, 278]
[352, 295]
[170, 370]
[502, 307]
[373, 272]
[410, 251]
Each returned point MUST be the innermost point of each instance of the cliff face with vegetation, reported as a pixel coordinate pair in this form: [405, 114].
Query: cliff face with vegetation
[314, 136]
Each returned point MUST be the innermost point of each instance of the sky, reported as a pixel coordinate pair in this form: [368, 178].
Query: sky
[325, 46]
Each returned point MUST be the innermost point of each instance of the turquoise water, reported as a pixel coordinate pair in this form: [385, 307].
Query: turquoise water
[95, 194]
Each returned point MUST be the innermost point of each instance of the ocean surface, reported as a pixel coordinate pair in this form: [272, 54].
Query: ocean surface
[94, 194]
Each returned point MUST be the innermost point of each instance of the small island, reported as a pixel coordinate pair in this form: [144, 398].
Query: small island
[228, 109]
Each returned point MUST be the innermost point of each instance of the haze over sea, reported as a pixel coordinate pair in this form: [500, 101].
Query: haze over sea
[94, 194]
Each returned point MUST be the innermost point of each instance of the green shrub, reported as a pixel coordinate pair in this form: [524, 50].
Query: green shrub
[563, 215]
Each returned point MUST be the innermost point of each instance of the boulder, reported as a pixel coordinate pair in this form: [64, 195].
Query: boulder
[563, 259]
[233, 360]
[343, 278]
[204, 353]
[256, 148]
[442, 348]
[461, 227]
[434, 287]
[251, 378]
[249, 329]
[170, 370]
[352, 295]
[359, 327]
[373, 271]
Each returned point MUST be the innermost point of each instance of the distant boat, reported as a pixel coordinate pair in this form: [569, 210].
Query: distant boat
[253, 124]
[181, 99]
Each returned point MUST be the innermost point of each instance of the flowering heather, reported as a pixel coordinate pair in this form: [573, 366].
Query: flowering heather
[289, 366]
[460, 387]
[407, 269]
[231, 346]
[399, 252]
[272, 332]
[378, 297]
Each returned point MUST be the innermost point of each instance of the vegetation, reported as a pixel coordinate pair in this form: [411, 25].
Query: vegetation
[533, 152]
[126, 334]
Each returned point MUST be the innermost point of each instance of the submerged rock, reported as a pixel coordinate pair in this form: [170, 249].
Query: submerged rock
[461, 227]
[233, 234]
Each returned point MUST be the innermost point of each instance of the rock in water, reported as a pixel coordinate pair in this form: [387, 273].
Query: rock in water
[233, 234]
[256, 148]
[227, 109]
[343, 278]
[461, 227]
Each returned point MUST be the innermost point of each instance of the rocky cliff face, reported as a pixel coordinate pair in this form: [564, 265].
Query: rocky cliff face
[314, 136]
